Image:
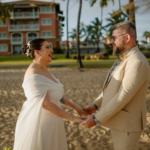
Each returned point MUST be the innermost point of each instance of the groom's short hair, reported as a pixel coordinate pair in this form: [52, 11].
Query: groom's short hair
[127, 26]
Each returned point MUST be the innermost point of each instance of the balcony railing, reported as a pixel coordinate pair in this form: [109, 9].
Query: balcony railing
[16, 40]
[31, 38]
[26, 27]
[24, 15]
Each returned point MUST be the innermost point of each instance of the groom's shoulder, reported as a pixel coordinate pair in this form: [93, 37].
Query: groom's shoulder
[137, 57]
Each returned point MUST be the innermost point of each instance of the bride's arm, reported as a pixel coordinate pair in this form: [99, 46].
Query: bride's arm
[67, 103]
[54, 109]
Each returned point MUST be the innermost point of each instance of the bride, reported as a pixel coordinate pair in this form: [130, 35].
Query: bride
[40, 124]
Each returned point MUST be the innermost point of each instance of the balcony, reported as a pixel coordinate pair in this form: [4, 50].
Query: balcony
[26, 27]
[24, 15]
[16, 40]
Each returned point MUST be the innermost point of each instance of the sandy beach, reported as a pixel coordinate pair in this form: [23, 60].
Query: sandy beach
[81, 87]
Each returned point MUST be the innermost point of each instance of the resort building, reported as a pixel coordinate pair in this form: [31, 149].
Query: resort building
[85, 47]
[29, 20]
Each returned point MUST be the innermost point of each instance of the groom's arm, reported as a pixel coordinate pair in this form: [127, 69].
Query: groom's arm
[133, 79]
[98, 101]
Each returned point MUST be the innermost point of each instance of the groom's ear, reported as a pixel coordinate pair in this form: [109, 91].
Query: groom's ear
[128, 38]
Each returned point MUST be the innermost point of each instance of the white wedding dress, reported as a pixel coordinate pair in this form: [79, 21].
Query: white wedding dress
[37, 128]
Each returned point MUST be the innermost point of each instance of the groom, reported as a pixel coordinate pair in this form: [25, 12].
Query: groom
[122, 102]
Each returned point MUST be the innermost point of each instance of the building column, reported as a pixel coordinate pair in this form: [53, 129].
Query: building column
[33, 12]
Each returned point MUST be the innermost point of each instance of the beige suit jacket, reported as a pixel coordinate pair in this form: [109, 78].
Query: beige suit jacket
[123, 100]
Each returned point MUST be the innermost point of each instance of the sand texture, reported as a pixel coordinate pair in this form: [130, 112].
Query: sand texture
[81, 87]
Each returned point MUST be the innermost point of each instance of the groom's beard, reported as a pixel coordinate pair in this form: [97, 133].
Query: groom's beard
[118, 50]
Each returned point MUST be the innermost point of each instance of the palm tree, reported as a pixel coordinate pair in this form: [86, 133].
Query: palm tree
[97, 31]
[102, 4]
[93, 32]
[73, 34]
[146, 34]
[147, 4]
[79, 62]
[88, 33]
[67, 49]
[130, 7]
[132, 11]
[4, 11]
[114, 19]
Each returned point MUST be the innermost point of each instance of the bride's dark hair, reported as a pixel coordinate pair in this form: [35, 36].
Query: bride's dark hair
[33, 45]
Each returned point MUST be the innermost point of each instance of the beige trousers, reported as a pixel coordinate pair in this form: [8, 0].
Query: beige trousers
[125, 140]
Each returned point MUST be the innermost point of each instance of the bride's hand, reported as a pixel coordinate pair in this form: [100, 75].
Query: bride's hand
[77, 119]
[81, 112]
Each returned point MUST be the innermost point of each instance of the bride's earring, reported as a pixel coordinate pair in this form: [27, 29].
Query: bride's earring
[39, 58]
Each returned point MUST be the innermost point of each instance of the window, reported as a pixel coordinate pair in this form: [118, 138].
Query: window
[16, 37]
[3, 35]
[19, 23]
[3, 23]
[46, 9]
[32, 22]
[46, 22]
[32, 36]
[3, 48]
[50, 45]
[46, 34]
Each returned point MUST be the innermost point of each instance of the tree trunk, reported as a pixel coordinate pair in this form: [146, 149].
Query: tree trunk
[120, 8]
[101, 15]
[132, 13]
[97, 49]
[67, 48]
[119, 4]
[101, 27]
[79, 63]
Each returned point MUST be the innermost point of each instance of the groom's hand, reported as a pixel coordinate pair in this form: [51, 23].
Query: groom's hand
[81, 112]
[90, 109]
[89, 122]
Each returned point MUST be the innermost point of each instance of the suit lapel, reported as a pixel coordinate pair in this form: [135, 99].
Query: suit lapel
[111, 76]
[107, 75]
[123, 58]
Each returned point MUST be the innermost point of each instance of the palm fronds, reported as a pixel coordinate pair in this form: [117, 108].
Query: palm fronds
[5, 11]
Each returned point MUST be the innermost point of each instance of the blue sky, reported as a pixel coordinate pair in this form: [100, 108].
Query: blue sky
[89, 13]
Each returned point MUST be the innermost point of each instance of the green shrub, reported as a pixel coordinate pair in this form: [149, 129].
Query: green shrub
[58, 50]
[142, 48]
[109, 50]
[146, 53]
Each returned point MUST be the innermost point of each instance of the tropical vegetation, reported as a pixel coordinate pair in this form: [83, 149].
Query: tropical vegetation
[146, 34]
[114, 19]
[4, 11]
[94, 33]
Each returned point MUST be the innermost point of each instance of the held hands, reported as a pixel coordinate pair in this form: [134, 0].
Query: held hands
[77, 119]
[90, 109]
[86, 118]
[88, 121]
[81, 111]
